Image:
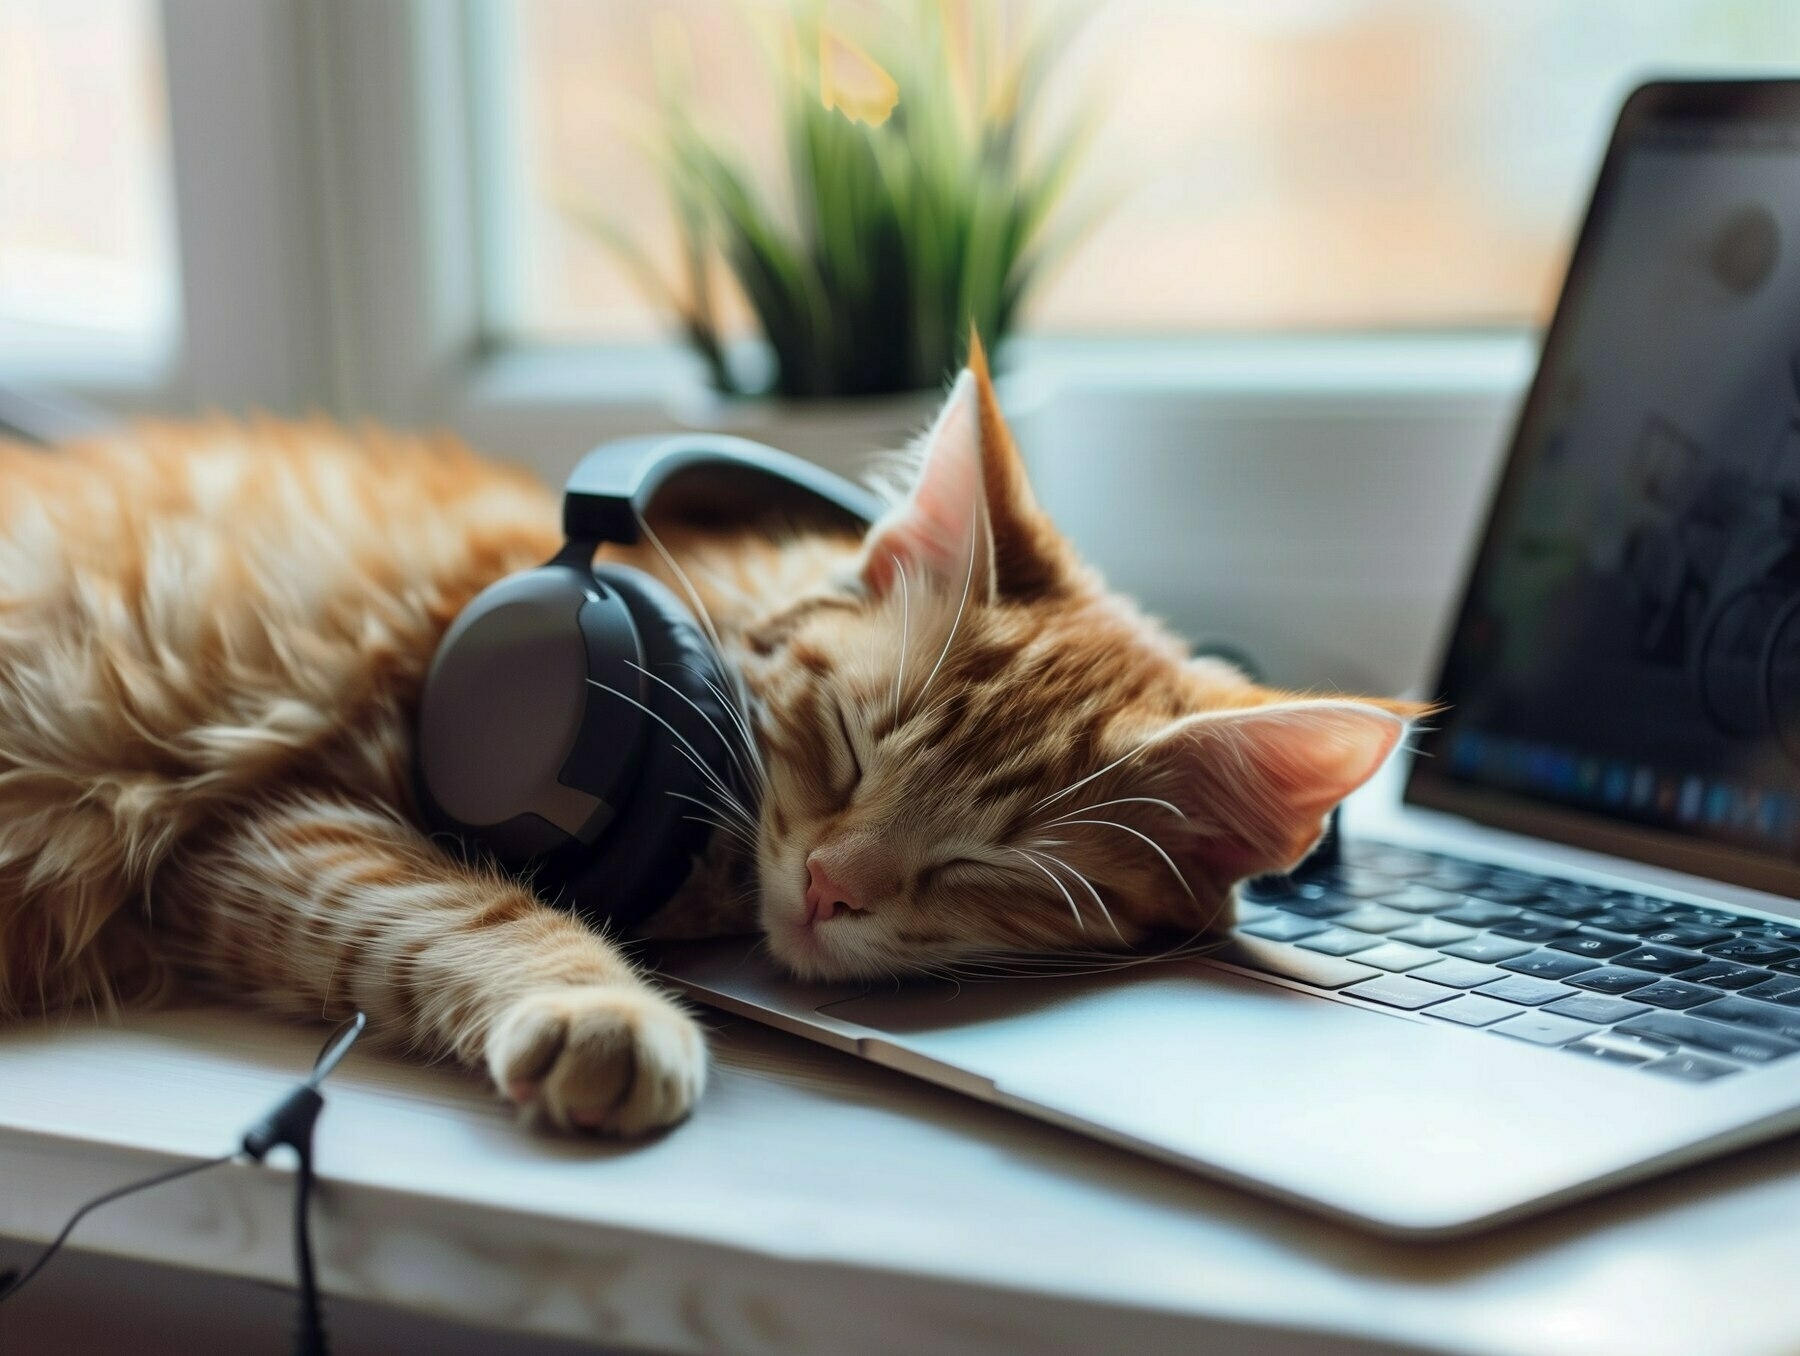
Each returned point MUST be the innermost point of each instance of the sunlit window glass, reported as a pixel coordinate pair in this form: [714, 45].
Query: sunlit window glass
[1310, 164]
[86, 242]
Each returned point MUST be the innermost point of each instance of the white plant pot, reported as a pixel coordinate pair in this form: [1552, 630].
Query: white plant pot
[842, 434]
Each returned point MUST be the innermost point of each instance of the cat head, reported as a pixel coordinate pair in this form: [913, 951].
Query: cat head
[974, 748]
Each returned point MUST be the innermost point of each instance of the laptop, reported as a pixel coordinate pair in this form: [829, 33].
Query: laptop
[1565, 956]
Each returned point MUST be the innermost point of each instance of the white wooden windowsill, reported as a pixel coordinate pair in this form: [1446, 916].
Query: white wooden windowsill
[819, 1204]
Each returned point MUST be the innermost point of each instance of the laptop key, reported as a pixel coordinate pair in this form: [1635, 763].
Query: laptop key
[1488, 948]
[1572, 909]
[1661, 960]
[1401, 991]
[1338, 942]
[1613, 980]
[1526, 990]
[1683, 934]
[1531, 928]
[1690, 1068]
[1776, 932]
[1459, 974]
[1607, 1054]
[1784, 1022]
[1479, 913]
[1397, 957]
[1595, 944]
[1432, 932]
[1542, 1028]
[1457, 877]
[1595, 1007]
[1395, 861]
[1718, 918]
[1783, 989]
[1649, 1047]
[1375, 918]
[1359, 881]
[1289, 962]
[1753, 951]
[1735, 1042]
[1283, 927]
[1323, 904]
[1672, 993]
[1627, 920]
[1419, 899]
[1473, 1010]
[1507, 892]
[1730, 975]
[1549, 965]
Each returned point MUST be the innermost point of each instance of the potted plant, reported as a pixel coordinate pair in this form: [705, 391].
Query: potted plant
[921, 200]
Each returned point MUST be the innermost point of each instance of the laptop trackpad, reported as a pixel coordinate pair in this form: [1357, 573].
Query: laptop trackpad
[1321, 1098]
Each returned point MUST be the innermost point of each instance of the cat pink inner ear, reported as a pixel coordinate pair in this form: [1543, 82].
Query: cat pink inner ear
[1257, 783]
[940, 533]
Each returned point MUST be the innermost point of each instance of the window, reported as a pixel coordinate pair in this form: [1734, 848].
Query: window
[1311, 164]
[86, 241]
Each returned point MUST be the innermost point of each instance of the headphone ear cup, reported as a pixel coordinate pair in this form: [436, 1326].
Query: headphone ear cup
[649, 848]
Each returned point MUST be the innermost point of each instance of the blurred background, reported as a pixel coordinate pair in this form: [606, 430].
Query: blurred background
[1264, 385]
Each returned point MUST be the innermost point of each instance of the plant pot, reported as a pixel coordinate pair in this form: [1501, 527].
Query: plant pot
[842, 435]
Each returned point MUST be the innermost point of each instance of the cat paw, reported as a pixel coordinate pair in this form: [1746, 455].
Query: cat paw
[605, 1059]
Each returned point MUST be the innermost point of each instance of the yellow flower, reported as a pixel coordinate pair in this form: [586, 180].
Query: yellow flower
[851, 82]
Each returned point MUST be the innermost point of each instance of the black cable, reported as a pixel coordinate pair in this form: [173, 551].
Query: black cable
[291, 1123]
[17, 1282]
[309, 1334]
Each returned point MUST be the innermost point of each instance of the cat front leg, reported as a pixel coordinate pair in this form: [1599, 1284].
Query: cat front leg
[312, 906]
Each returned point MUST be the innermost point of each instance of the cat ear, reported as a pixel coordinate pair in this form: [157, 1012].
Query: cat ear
[971, 501]
[941, 531]
[1257, 783]
[1030, 557]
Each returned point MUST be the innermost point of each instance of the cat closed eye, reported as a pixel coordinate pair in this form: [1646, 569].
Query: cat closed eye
[959, 871]
[856, 768]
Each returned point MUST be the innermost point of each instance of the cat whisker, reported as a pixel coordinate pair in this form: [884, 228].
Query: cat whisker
[1021, 965]
[693, 754]
[730, 744]
[1055, 796]
[1170, 806]
[905, 631]
[1099, 903]
[956, 621]
[1153, 845]
[693, 597]
[740, 826]
[726, 797]
[742, 722]
[1057, 882]
[722, 828]
[687, 585]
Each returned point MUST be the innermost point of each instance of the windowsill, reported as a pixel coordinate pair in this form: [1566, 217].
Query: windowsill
[1453, 362]
[546, 404]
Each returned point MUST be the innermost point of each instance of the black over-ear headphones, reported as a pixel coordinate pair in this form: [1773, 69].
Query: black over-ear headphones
[570, 709]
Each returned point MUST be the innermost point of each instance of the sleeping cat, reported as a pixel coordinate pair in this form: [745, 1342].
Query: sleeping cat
[212, 640]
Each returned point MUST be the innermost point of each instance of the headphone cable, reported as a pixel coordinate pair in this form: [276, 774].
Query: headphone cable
[291, 1123]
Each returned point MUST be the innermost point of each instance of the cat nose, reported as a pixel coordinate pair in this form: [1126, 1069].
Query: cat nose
[825, 896]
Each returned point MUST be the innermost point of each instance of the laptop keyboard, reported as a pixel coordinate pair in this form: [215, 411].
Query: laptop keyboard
[1676, 990]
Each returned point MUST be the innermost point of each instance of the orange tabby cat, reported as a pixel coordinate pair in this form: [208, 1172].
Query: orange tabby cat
[212, 639]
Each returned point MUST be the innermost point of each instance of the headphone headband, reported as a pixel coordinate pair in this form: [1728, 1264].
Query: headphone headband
[713, 476]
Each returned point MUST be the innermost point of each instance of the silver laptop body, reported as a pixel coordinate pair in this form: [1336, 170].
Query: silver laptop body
[1567, 956]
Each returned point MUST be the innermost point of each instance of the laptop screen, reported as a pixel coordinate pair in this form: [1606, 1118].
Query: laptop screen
[1629, 647]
